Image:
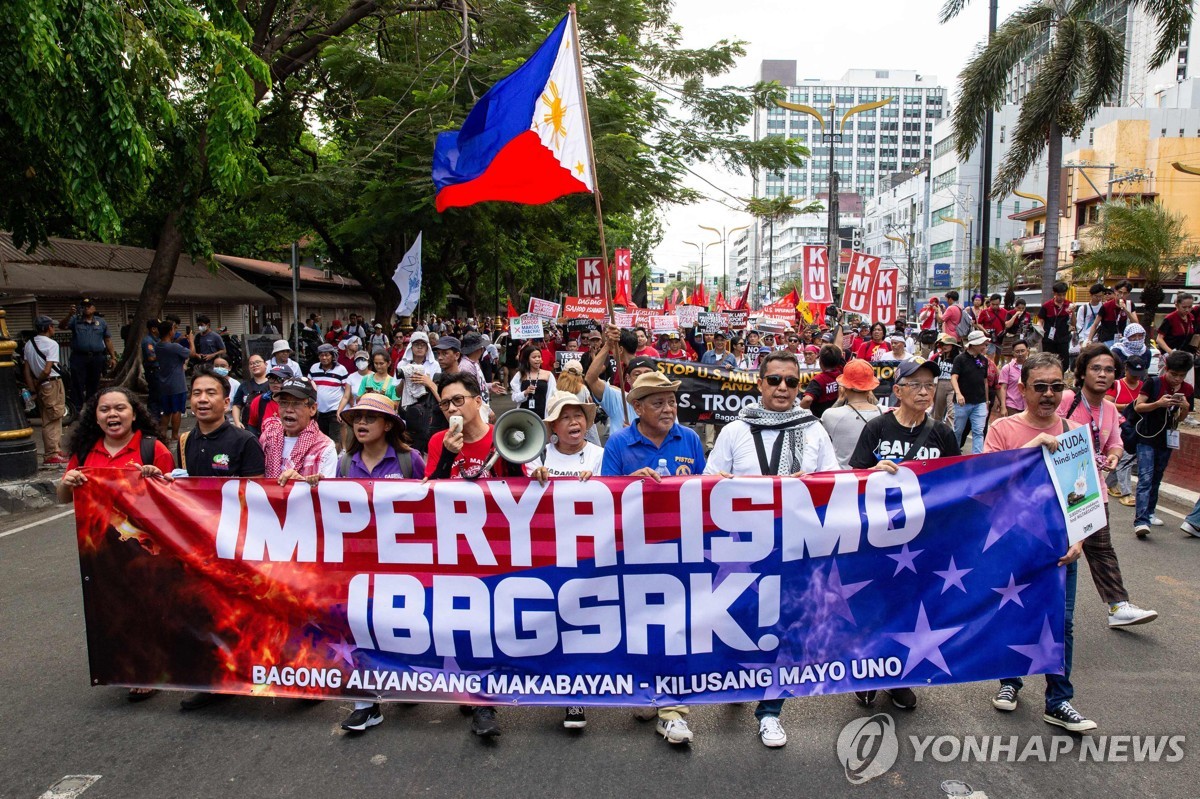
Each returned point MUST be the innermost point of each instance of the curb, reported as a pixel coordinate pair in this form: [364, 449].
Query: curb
[27, 495]
[1178, 496]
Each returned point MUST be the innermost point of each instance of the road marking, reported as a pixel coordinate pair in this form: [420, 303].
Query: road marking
[70, 786]
[31, 525]
[1169, 512]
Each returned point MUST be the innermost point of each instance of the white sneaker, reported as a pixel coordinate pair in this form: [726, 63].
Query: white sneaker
[645, 713]
[1190, 529]
[1124, 614]
[771, 733]
[674, 730]
[1154, 520]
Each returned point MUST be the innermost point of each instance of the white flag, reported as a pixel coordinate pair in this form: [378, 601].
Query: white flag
[408, 279]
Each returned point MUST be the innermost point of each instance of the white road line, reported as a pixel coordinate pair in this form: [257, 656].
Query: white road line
[31, 525]
[70, 786]
[1169, 512]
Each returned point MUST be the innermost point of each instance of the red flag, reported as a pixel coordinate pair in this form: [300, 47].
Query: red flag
[721, 304]
[698, 296]
[512, 312]
[792, 299]
[742, 303]
[669, 305]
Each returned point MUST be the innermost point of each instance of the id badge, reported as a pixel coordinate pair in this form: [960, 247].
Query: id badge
[1173, 439]
[1050, 334]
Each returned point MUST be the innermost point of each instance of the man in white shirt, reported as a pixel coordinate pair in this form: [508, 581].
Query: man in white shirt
[775, 437]
[332, 382]
[43, 378]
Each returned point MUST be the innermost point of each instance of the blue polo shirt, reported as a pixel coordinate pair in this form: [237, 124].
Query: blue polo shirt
[611, 402]
[87, 336]
[208, 343]
[628, 450]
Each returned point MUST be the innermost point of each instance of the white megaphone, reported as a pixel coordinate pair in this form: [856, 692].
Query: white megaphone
[518, 436]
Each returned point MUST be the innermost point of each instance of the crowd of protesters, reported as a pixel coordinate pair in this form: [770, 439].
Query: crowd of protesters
[382, 402]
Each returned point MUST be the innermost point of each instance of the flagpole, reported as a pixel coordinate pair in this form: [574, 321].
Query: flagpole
[587, 128]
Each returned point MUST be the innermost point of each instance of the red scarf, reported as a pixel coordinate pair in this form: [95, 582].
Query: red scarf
[306, 455]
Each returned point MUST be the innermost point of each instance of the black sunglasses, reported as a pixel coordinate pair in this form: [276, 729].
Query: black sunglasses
[775, 380]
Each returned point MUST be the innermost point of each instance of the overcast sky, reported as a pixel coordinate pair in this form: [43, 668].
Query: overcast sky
[825, 39]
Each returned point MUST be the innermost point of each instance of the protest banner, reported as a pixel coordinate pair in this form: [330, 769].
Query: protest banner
[860, 281]
[1077, 483]
[562, 356]
[527, 326]
[504, 591]
[664, 323]
[544, 308]
[715, 394]
[624, 320]
[816, 284]
[589, 277]
[710, 322]
[623, 275]
[736, 320]
[584, 308]
[581, 325]
[642, 317]
[884, 294]
[687, 314]
[781, 312]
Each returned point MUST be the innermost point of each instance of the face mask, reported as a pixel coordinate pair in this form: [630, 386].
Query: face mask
[361, 365]
[221, 370]
[202, 328]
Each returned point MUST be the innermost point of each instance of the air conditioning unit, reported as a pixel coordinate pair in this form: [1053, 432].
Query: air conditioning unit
[1076, 246]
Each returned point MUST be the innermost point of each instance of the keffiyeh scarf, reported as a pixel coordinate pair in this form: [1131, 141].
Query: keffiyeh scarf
[791, 425]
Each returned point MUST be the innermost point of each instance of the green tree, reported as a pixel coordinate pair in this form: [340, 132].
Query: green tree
[779, 209]
[1008, 269]
[1140, 240]
[1078, 64]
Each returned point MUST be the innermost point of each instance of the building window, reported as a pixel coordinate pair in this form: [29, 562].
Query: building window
[938, 217]
[942, 249]
[1002, 128]
[945, 179]
[943, 147]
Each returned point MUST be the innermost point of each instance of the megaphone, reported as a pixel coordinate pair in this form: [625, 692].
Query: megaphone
[518, 436]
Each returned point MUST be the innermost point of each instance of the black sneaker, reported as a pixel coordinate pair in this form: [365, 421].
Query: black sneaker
[199, 700]
[363, 718]
[574, 720]
[903, 698]
[865, 698]
[1068, 718]
[483, 722]
[1006, 698]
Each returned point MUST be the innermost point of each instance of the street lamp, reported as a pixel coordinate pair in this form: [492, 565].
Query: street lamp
[965, 224]
[831, 138]
[908, 240]
[724, 234]
[702, 250]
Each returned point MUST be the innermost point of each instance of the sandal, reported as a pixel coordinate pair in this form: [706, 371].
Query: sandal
[141, 694]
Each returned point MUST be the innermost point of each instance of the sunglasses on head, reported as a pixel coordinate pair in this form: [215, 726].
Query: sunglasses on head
[775, 380]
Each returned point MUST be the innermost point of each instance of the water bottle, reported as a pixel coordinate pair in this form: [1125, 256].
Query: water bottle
[663, 469]
[28, 401]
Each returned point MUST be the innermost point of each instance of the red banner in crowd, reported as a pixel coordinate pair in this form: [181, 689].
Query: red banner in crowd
[860, 281]
[623, 271]
[816, 275]
[884, 294]
[589, 277]
[584, 308]
[544, 308]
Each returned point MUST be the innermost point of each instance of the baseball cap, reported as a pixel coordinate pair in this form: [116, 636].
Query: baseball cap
[448, 343]
[639, 363]
[471, 343]
[43, 323]
[1136, 364]
[280, 373]
[910, 368]
[296, 387]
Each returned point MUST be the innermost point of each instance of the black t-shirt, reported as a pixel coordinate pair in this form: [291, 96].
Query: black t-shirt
[225, 452]
[885, 438]
[972, 377]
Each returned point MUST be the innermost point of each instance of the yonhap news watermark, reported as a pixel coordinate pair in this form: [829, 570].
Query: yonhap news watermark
[869, 747]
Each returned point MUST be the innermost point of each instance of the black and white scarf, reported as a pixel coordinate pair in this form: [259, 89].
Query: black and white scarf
[790, 423]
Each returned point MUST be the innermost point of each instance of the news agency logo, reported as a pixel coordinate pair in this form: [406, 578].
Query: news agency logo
[867, 747]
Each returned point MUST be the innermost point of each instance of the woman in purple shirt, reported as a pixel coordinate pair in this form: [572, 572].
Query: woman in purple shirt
[379, 449]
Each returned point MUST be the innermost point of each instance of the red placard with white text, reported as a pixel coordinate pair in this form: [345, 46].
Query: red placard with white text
[860, 281]
[883, 295]
[590, 277]
[623, 269]
[544, 308]
[585, 308]
[815, 275]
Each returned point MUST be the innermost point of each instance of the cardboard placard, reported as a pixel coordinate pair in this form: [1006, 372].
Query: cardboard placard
[528, 326]
[544, 308]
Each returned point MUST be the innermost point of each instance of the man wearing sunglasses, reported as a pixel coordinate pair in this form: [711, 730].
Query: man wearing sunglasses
[1039, 425]
[775, 437]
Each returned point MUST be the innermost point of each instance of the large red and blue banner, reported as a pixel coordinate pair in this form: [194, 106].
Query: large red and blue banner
[614, 591]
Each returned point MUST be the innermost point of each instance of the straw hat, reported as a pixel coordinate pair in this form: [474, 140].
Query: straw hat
[373, 402]
[560, 400]
[651, 383]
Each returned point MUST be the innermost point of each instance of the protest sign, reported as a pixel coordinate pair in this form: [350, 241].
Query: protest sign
[736, 320]
[527, 326]
[624, 320]
[710, 322]
[615, 591]
[816, 283]
[666, 323]
[860, 281]
[544, 308]
[1077, 483]
[584, 308]
[562, 356]
[687, 314]
[589, 277]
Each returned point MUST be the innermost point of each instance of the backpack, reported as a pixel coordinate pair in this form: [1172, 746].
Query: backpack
[965, 325]
[405, 459]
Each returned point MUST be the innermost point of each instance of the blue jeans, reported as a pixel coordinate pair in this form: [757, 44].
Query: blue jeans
[1193, 518]
[978, 413]
[768, 707]
[1152, 463]
[1058, 686]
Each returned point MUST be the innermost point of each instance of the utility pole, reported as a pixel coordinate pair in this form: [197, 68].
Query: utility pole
[985, 214]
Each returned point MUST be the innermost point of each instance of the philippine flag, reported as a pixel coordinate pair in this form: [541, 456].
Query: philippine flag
[525, 140]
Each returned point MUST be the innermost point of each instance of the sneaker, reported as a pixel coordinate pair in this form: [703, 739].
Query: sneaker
[1129, 501]
[674, 730]
[903, 698]
[1006, 698]
[1190, 529]
[1141, 530]
[771, 733]
[645, 713]
[56, 460]
[1154, 520]
[1068, 718]
[363, 718]
[483, 722]
[199, 700]
[865, 698]
[574, 720]
[1124, 614]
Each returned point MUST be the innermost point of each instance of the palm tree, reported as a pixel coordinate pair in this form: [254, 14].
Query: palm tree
[1143, 240]
[1009, 269]
[777, 209]
[1079, 64]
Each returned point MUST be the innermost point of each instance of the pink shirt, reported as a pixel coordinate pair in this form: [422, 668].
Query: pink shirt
[1010, 376]
[1012, 433]
[950, 319]
[1105, 426]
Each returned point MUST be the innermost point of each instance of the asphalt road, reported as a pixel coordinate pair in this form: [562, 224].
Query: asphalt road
[1140, 681]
